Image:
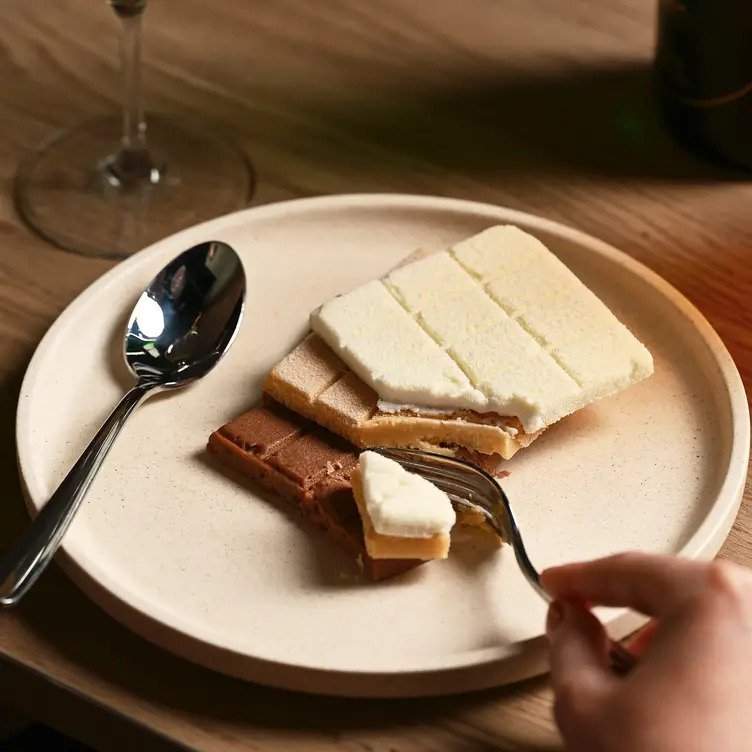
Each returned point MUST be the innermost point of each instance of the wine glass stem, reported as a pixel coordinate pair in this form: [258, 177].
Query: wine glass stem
[132, 166]
[134, 126]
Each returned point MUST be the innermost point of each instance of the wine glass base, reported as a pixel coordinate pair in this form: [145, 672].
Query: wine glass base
[66, 191]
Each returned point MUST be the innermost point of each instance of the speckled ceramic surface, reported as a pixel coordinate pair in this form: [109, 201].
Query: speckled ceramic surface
[224, 575]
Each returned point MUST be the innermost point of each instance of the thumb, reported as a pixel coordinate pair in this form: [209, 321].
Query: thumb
[580, 672]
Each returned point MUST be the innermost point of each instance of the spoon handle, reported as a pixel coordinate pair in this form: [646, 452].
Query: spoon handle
[28, 557]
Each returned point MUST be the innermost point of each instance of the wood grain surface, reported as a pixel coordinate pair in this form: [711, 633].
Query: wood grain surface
[540, 105]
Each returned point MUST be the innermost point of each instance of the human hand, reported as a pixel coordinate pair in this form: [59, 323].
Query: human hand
[690, 690]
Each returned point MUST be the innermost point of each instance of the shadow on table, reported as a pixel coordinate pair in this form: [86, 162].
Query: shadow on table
[576, 119]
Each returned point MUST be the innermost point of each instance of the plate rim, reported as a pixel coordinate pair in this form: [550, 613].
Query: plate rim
[703, 543]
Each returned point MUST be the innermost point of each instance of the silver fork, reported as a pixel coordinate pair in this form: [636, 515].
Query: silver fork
[472, 488]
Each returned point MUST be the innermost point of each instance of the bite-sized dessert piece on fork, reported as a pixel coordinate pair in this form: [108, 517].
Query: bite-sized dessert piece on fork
[403, 514]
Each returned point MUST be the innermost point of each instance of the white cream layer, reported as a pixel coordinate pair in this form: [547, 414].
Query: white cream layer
[401, 503]
[496, 324]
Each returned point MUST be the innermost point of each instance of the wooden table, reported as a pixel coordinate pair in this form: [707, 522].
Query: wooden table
[541, 105]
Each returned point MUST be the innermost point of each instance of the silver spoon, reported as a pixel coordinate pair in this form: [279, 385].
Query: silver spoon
[182, 324]
[470, 487]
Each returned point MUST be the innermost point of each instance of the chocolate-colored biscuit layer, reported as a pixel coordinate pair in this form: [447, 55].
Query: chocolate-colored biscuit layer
[303, 462]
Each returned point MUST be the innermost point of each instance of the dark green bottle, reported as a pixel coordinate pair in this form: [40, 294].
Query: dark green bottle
[704, 74]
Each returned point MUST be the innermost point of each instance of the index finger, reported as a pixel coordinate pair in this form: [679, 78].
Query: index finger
[649, 583]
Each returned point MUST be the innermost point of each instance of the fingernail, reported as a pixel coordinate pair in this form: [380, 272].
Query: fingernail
[555, 616]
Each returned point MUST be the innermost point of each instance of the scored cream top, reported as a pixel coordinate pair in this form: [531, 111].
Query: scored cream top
[401, 503]
[495, 324]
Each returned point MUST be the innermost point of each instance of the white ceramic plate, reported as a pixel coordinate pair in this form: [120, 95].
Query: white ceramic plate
[226, 576]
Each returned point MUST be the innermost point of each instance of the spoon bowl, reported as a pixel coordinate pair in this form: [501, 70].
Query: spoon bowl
[187, 317]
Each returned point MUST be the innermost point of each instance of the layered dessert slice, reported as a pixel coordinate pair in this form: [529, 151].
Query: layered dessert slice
[472, 352]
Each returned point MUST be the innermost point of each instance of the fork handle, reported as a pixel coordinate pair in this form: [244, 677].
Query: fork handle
[22, 564]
